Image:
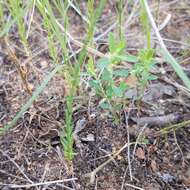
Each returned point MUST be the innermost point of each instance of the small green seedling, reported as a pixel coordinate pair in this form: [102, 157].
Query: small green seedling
[142, 69]
[108, 81]
[67, 135]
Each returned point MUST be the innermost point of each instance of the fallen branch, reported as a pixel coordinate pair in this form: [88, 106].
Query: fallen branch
[174, 127]
[14, 186]
[158, 121]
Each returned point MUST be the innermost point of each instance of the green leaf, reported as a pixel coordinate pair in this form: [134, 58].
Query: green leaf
[109, 91]
[95, 84]
[105, 105]
[176, 66]
[146, 55]
[118, 92]
[90, 67]
[121, 73]
[106, 75]
[120, 47]
[127, 58]
[103, 63]
[115, 46]
[123, 86]
[112, 43]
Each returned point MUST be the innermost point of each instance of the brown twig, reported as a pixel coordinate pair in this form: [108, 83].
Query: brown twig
[158, 120]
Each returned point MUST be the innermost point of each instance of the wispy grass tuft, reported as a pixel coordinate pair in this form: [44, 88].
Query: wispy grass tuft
[120, 14]
[145, 24]
[16, 7]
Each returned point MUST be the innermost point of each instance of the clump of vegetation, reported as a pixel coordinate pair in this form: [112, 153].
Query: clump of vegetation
[142, 69]
[106, 79]
[107, 73]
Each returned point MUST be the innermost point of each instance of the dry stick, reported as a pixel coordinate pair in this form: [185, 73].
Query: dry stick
[39, 184]
[78, 11]
[175, 84]
[133, 186]
[106, 31]
[173, 62]
[178, 146]
[128, 141]
[136, 143]
[63, 187]
[174, 41]
[177, 126]
[132, 12]
[165, 22]
[157, 120]
[92, 174]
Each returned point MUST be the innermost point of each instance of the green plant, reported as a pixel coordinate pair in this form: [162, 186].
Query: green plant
[50, 22]
[107, 74]
[67, 135]
[1, 15]
[68, 71]
[142, 69]
[71, 72]
[120, 13]
[145, 24]
[16, 8]
[107, 80]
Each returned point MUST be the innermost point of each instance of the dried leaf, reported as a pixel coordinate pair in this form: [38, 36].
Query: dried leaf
[140, 153]
[132, 81]
[153, 166]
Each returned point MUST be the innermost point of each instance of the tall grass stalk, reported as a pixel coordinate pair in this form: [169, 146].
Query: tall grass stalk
[93, 16]
[67, 137]
[1, 15]
[45, 9]
[120, 13]
[53, 33]
[72, 71]
[145, 24]
[16, 7]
